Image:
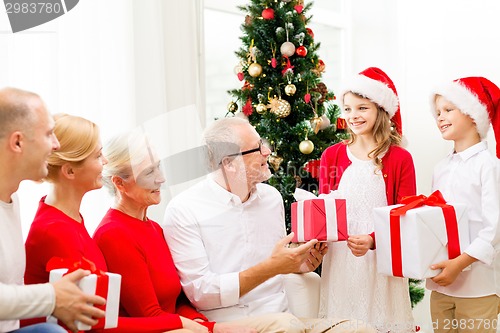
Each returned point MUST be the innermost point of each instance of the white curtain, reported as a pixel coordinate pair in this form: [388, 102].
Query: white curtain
[119, 63]
[169, 88]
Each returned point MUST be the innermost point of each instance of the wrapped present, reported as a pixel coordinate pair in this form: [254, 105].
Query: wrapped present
[104, 284]
[322, 218]
[420, 232]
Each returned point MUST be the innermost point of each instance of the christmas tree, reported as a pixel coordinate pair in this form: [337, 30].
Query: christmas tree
[283, 95]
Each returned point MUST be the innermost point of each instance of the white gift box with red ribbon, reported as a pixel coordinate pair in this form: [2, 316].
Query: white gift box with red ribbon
[408, 244]
[89, 285]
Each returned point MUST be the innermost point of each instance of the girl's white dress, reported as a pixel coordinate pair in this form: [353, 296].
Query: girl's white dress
[350, 286]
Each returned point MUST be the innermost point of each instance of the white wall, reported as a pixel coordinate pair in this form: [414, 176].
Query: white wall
[420, 44]
[456, 41]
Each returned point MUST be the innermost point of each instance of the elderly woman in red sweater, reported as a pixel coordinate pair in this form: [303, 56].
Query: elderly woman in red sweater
[134, 246]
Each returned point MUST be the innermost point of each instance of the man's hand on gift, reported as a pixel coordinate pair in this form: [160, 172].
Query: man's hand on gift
[359, 244]
[73, 305]
[283, 260]
[315, 257]
[294, 259]
[451, 269]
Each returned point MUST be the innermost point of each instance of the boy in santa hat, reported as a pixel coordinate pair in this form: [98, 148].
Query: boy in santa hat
[468, 301]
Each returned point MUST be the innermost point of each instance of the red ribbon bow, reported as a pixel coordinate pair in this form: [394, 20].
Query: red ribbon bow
[71, 265]
[313, 168]
[410, 202]
[288, 66]
[84, 263]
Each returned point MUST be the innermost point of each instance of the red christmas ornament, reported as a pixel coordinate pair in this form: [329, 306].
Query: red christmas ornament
[287, 66]
[310, 32]
[307, 97]
[301, 51]
[299, 8]
[247, 108]
[321, 65]
[247, 86]
[273, 62]
[341, 124]
[240, 76]
[268, 14]
[313, 168]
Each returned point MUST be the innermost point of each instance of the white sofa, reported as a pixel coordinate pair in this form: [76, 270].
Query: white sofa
[303, 292]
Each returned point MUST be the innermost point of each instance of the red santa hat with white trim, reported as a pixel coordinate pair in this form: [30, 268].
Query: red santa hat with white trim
[377, 86]
[477, 97]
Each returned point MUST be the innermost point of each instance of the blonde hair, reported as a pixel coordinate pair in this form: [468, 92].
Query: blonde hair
[78, 138]
[384, 133]
[123, 152]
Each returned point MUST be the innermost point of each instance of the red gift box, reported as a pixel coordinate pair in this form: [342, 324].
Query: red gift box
[322, 219]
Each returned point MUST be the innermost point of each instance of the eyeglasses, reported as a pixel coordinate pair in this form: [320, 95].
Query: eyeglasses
[261, 149]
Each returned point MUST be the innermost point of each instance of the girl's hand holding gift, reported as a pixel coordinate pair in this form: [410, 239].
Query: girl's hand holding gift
[360, 244]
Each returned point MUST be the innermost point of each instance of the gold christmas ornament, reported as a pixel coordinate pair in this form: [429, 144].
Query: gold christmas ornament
[254, 70]
[290, 89]
[320, 67]
[279, 107]
[275, 161]
[288, 49]
[306, 147]
[232, 107]
[316, 124]
[261, 108]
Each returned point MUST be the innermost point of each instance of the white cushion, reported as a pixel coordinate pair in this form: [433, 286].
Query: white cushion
[302, 291]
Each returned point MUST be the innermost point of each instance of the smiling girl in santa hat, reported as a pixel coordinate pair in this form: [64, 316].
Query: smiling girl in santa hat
[370, 170]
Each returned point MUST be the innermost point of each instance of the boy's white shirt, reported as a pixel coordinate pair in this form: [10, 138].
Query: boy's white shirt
[472, 177]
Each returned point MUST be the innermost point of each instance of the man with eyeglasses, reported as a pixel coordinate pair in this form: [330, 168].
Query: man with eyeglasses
[228, 240]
